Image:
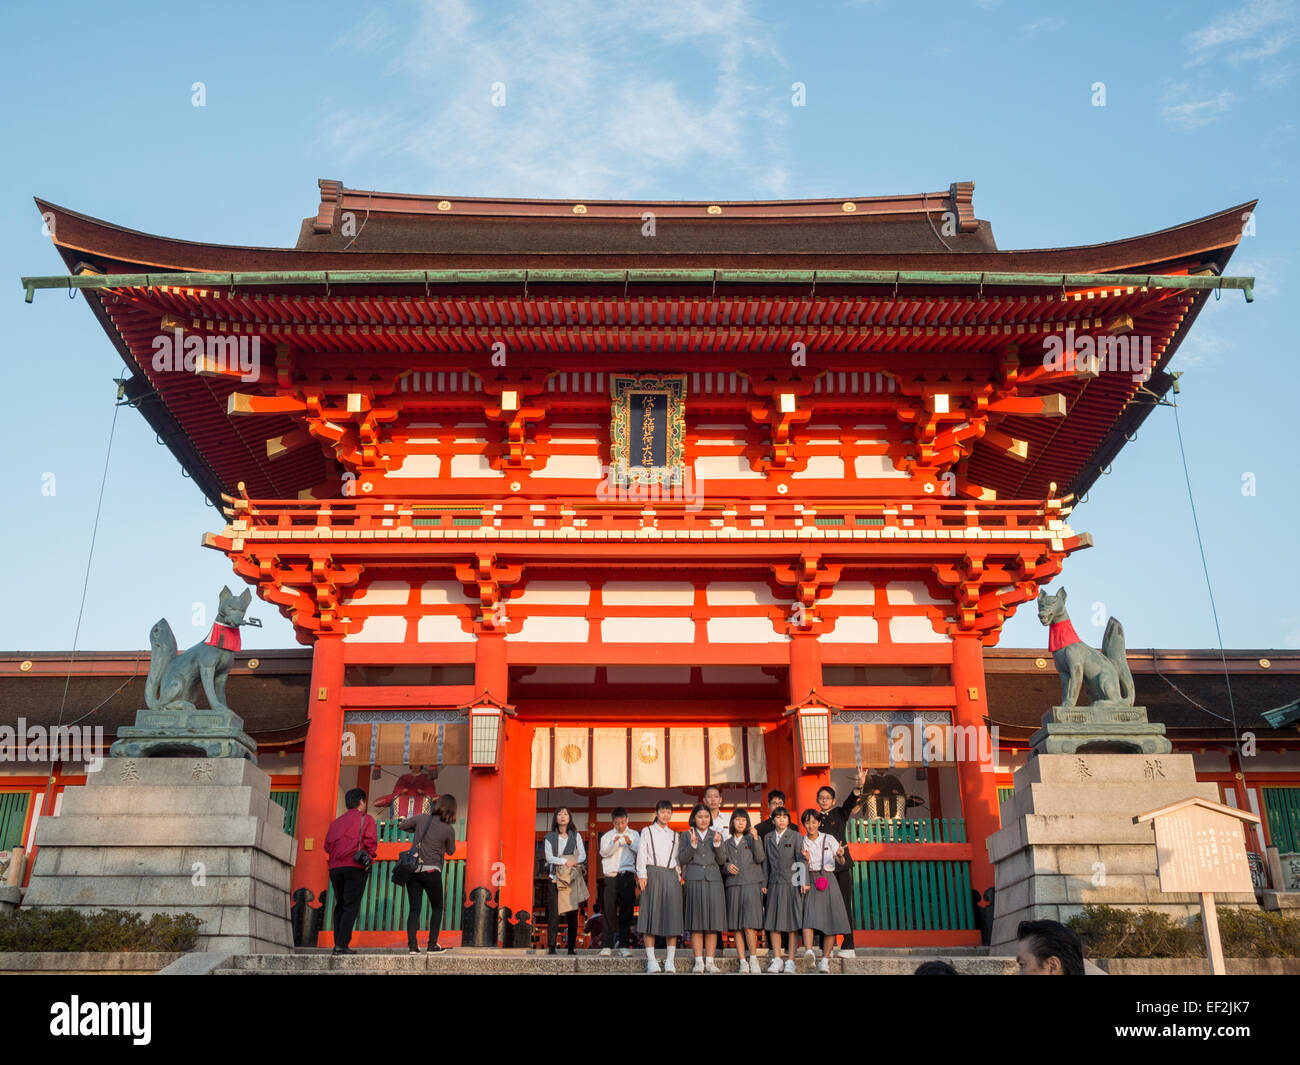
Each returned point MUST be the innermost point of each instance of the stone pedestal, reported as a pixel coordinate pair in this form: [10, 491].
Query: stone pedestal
[173, 835]
[193, 732]
[1070, 839]
[1102, 728]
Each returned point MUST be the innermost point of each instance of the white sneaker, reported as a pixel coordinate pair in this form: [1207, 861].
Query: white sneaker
[606, 953]
[624, 952]
[789, 966]
[699, 965]
[652, 966]
[824, 966]
[670, 968]
[849, 953]
[775, 967]
[745, 968]
[754, 967]
[710, 966]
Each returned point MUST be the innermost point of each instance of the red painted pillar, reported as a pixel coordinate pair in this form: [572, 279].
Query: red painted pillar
[318, 796]
[483, 824]
[976, 781]
[805, 677]
[780, 766]
[520, 801]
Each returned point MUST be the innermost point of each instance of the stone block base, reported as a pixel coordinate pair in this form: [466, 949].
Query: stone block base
[173, 836]
[1069, 839]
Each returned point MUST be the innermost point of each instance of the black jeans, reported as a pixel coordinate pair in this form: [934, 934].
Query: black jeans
[349, 885]
[429, 881]
[552, 918]
[619, 896]
[844, 877]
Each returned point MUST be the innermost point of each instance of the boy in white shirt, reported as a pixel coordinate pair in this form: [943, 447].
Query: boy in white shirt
[618, 848]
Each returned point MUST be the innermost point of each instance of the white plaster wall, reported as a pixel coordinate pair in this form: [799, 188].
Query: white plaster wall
[417, 466]
[910, 593]
[720, 594]
[647, 593]
[379, 629]
[914, 630]
[442, 628]
[822, 466]
[552, 630]
[554, 593]
[648, 630]
[382, 593]
[725, 467]
[853, 630]
[876, 466]
[743, 630]
[585, 466]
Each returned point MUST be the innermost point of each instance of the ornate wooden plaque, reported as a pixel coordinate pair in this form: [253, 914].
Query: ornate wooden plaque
[648, 429]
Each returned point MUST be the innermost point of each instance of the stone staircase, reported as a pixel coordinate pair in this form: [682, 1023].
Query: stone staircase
[481, 961]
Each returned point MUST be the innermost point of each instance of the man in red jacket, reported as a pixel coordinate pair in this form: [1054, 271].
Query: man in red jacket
[353, 833]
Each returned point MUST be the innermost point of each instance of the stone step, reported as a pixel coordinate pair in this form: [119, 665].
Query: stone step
[876, 962]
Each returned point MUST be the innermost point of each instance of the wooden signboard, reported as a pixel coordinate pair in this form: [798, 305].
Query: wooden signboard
[1200, 848]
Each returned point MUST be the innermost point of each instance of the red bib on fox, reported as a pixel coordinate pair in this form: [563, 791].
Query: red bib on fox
[227, 637]
[1059, 634]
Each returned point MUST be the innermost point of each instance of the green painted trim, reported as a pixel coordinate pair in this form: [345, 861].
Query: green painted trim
[13, 818]
[330, 278]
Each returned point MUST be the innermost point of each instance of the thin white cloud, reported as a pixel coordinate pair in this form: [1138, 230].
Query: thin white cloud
[1252, 35]
[367, 34]
[599, 100]
[1048, 25]
[1193, 114]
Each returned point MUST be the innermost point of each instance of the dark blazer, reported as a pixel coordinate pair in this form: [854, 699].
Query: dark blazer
[834, 821]
[749, 856]
[700, 862]
[783, 856]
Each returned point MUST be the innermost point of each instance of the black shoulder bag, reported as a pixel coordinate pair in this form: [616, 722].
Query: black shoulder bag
[408, 862]
[362, 857]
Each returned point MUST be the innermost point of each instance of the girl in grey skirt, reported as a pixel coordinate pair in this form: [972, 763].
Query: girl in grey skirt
[823, 905]
[658, 873]
[742, 856]
[787, 879]
[698, 853]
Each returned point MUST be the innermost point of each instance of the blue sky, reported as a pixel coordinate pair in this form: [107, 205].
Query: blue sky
[676, 99]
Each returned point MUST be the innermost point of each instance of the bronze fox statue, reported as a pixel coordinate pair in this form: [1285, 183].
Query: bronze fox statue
[1103, 674]
[174, 679]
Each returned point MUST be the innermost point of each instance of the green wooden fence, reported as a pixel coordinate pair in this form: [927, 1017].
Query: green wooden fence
[1282, 808]
[925, 830]
[384, 905]
[287, 798]
[911, 894]
[13, 816]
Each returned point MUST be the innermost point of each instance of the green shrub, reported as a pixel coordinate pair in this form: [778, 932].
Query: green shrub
[1255, 933]
[1109, 932]
[103, 930]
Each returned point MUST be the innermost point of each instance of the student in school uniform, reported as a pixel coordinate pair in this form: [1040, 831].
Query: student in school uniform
[775, 801]
[618, 849]
[659, 874]
[742, 857]
[823, 906]
[564, 849]
[834, 823]
[705, 909]
[786, 872]
[718, 821]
